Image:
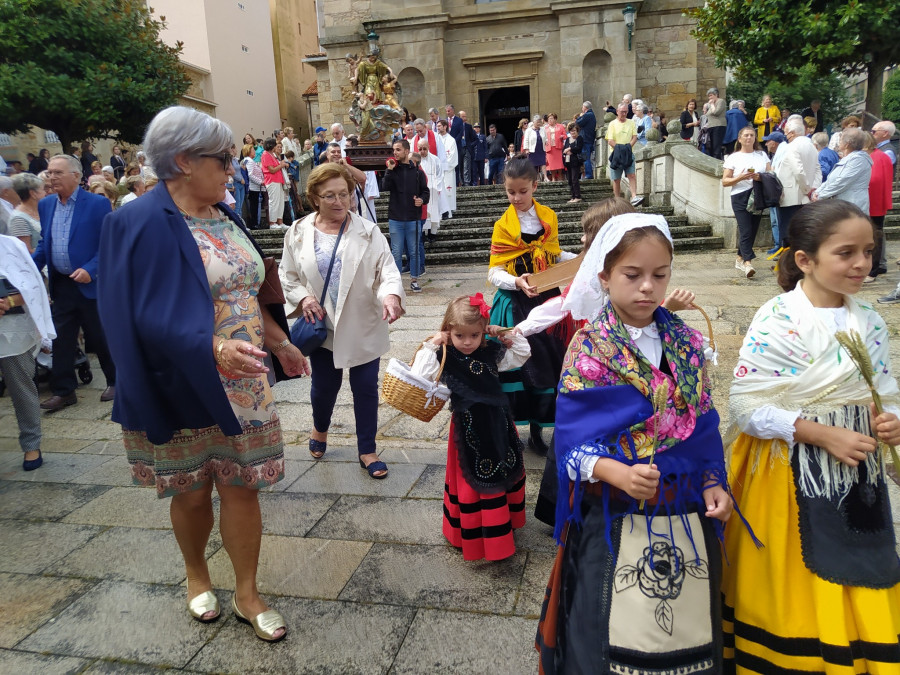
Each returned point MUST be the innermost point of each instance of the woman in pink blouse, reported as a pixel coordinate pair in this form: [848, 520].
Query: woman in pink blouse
[274, 169]
[555, 134]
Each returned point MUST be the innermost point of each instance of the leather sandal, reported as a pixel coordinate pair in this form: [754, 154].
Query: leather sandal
[375, 466]
[265, 624]
[204, 604]
[317, 448]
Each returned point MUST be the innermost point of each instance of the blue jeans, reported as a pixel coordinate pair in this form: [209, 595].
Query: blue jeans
[495, 168]
[421, 237]
[586, 154]
[403, 235]
[240, 193]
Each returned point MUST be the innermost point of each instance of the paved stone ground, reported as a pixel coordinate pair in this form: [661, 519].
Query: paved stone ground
[91, 579]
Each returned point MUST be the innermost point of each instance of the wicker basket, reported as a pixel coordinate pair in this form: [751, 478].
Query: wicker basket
[412, 394]
[712, 338]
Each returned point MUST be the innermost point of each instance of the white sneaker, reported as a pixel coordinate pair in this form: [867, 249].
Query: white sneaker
[637, 201]
[748, 269]
[739, 265]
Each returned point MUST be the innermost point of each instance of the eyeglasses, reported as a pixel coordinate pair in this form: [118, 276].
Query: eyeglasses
[333, 199]
[225, 158]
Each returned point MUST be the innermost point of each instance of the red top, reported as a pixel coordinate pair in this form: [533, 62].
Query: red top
[268, 161]
[880, 184]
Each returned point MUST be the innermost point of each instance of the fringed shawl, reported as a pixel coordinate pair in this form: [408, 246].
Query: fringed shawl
[507, 243]
[604, 409]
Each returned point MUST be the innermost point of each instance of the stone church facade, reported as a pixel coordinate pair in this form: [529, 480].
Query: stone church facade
[503, 60]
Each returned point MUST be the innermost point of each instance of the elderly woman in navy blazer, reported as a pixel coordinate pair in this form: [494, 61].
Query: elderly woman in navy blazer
[179, 284]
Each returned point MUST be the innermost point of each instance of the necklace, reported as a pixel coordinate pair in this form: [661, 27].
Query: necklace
[210, 209]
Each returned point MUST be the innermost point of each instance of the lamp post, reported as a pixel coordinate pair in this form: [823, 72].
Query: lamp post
[373, 38]
[629, 13]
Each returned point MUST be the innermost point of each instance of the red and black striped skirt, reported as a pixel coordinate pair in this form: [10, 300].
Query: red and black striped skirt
[481, 525]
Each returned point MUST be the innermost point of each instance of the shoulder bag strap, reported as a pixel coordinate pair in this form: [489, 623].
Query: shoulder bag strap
[331, 264]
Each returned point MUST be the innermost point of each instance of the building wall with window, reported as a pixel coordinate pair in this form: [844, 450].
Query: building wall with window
[504, 59]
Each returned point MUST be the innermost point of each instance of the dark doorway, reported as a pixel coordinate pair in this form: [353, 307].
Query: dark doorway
[504, 107]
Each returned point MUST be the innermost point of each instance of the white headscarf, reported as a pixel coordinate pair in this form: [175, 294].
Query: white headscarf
[586, 297]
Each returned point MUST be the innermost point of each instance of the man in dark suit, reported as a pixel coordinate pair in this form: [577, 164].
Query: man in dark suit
[478, 156]
[456, 128]
[815, 110]
[468, 149]
[587, 122]
[70, 228]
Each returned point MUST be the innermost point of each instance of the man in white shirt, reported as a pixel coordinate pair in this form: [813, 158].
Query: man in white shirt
[798, 170]
[434, 174]
[337, 132]
[449, 164]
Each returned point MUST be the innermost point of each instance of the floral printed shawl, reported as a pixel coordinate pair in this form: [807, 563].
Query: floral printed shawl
[604, 409]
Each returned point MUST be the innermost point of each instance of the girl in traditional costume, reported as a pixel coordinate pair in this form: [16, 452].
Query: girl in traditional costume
[823, 595]
[484, 492]
[635, 586]
[525, 241]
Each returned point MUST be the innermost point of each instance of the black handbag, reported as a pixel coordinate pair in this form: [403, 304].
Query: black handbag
[307, 336]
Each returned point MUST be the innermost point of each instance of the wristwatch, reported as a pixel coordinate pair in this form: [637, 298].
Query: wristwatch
[281, 345]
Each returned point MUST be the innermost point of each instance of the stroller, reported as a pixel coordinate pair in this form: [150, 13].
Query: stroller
[44, 364]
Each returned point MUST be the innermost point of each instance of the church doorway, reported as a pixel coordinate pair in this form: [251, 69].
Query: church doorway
[504, 106]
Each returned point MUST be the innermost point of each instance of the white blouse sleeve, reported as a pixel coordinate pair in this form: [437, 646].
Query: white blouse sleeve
[769, 422]
[426, 362]
[500, 278]
[586, 464]
[566, 255]
[516, 354]
[543, 317]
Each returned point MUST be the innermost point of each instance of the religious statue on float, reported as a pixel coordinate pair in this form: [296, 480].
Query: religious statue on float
[375, 108]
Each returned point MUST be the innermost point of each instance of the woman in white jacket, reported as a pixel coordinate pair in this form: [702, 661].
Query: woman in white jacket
[364, 295]
[534, 143]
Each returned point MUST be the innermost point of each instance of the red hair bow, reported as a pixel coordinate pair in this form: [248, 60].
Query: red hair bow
[477, 300]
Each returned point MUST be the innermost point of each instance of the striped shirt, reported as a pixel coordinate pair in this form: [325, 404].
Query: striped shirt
[60, 228]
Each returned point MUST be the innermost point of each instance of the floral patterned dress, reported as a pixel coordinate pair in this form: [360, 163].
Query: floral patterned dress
[194, 457]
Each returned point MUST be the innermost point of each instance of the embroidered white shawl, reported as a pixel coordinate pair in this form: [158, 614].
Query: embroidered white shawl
[791, 360]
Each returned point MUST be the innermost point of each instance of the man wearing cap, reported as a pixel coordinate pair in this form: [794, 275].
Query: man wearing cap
[320, 146]
[479, 154]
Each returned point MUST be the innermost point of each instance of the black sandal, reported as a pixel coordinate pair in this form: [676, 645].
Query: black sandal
[375, 466]
[317, 448]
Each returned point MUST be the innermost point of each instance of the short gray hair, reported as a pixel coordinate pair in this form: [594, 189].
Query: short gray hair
[183, 131]
[853, 138]
[820, 139]
[24, 183]
[587, 104]
[712, 90]
[337, 125]
[796, 126]
[735, 104]
[5, 183]
[433, 110]
[74, 164]
[626, 97]
[537, 118]
[418, 121]
[888, 126]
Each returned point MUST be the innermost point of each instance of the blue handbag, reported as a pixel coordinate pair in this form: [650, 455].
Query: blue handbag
[307, 336]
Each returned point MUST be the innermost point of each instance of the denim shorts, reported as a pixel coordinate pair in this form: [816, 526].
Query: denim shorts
[616, 174]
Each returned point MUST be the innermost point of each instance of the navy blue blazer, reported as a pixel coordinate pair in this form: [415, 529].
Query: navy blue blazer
[456, 129]
[157, 313]
[587, 122]
[84, 236]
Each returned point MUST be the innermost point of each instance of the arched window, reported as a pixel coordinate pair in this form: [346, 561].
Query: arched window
[412, 86]
[596, 78]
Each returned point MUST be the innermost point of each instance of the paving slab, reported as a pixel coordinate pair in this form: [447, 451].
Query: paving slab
[130, 554]
[121, 668]
[293, 469]
[405, 426]
[125, 507]
[293, 514]
[460, 643]
[112, 471]
[30, 547]
[324, 638]
[382, 519]
[97, 430]
[44, 501]
[435, 576]
[415, 452]
[114, 447]
[430, 484]
[143, 623]
[308, 568]
[346, 478]
[27, 601]
[534, 583]
[59, 467]
[19, 663]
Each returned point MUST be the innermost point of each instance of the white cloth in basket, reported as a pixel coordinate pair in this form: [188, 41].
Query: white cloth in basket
[406, 373]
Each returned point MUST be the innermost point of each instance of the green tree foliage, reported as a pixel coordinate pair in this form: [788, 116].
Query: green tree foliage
[84, 68]
[795, 92]
[890, 108]
[774, 37]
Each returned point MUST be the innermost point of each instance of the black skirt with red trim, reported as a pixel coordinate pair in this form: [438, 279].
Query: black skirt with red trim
[480, 524]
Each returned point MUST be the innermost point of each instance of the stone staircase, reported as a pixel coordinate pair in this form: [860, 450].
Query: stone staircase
[892, 219]
[466, 238]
